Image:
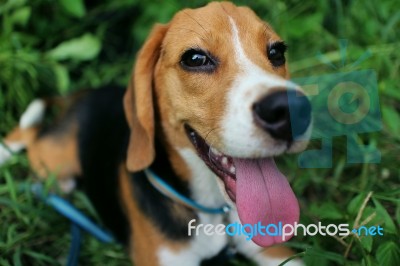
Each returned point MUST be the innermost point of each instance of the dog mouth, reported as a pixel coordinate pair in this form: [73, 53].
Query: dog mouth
[260, 191]
[222, 165]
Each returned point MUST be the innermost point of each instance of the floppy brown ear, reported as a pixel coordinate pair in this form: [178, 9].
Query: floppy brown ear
[138, 102]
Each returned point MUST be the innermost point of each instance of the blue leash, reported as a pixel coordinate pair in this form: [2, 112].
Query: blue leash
[79, 221]
[75, 247]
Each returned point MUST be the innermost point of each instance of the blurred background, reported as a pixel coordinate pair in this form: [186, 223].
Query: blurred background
[56, 47]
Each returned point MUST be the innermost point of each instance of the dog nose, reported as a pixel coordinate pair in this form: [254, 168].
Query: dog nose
[285, 115]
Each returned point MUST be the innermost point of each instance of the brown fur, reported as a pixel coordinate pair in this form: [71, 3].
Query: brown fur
[48, 155]
[55, 155]
[145, 238]
[139, 103]
[278, 251]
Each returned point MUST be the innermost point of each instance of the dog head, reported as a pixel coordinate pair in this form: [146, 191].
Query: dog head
[218, 80]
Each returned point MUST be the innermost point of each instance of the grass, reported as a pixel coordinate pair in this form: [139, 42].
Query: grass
[39, 56]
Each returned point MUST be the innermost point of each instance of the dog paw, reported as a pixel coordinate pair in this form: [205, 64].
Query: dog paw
[67, 185]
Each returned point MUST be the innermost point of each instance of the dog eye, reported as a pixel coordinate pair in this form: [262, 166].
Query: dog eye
[197, 60]
[276, 53]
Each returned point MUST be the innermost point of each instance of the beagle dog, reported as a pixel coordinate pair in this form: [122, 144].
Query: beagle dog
[207, 109]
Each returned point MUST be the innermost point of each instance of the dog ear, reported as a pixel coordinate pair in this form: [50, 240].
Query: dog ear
[138, 102]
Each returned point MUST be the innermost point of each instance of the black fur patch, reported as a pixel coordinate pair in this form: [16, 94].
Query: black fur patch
[169, 217]
[58, 124]
[103, 136]
[102, 139]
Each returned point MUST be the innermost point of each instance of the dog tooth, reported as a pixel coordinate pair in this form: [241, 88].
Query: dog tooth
[215, 151]
[224, 161]
[232, 169]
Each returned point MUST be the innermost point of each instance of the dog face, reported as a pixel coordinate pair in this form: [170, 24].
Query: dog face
[217, 64]
[217, 78]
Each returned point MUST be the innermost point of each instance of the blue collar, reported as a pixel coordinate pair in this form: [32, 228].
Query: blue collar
[168, 191]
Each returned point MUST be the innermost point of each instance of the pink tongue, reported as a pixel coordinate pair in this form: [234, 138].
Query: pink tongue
[263, 194]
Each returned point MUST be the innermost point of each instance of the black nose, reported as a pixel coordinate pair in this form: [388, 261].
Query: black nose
[284, 114]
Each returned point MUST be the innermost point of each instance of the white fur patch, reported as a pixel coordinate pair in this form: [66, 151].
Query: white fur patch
[33, 115]
[241, 136]
[205, 191]
[67, 185]
[203, 182]
[200, 248]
